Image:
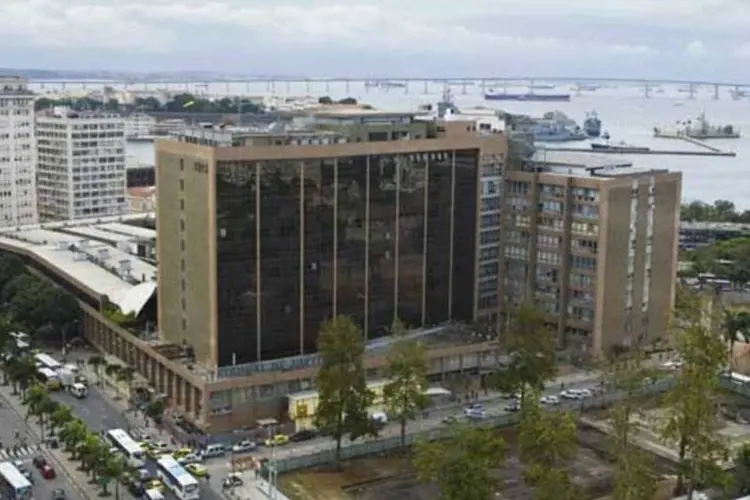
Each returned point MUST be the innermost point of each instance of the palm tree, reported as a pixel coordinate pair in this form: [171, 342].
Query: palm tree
[60, 417]
[46, 408]
[22, 372]
[155, 410]
[34, 399]
[90, 452]
[72, 435]
[96, 363]
[112, 371]
[735, 324]
[110, 468]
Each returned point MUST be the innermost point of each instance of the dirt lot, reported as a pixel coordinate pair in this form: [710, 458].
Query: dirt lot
[391, 478]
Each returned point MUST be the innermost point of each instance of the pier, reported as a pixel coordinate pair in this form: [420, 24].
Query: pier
[664, 152]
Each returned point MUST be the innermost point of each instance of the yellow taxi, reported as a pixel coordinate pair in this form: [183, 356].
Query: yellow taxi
[277, 440]
[197, 470]
[154, 484]
[182, 452]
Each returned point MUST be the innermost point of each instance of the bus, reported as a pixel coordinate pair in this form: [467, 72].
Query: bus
[47, 361]
[49, 378]
[127, 446]
[13, 484]
[179, 481]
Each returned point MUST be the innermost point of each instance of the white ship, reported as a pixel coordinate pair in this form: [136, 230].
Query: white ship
[700, 129]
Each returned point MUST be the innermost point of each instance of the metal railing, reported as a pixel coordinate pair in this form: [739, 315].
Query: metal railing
[380, 445]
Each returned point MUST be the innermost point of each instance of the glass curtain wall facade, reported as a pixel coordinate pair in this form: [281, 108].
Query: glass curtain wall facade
[375, 238]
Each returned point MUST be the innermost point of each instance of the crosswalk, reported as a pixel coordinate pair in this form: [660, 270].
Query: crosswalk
[20, 452]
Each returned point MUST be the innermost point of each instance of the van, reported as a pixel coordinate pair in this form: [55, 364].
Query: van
[214, 450]
[79, 390]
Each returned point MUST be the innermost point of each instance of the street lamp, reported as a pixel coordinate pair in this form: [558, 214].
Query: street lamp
[272, 472]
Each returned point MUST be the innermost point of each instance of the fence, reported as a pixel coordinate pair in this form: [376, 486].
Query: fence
[376, 446]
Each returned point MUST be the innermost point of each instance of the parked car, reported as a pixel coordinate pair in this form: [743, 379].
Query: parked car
[473, 414]
[303, 435]
[58, 494]
[44, 467]
[513, 406]
[24, 470]
[550, 400]
[277, 440]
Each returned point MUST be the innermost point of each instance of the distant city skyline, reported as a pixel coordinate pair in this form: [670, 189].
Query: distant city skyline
[691, 39]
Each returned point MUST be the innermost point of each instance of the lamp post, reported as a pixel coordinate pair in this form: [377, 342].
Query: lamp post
[272, 472]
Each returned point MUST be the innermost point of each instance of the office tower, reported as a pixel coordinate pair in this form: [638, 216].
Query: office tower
[596, 249]
[263, 237]
[81, 164]
[17, 153]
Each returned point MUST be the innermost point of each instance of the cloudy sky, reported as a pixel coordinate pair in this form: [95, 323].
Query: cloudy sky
[701, 39]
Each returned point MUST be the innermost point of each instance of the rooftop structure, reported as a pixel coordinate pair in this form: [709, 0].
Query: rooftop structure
[102, 261]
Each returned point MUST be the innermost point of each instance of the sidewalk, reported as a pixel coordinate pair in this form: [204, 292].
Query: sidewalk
[254, 489]
[77, 479]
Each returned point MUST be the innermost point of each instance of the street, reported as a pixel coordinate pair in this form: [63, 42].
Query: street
[28, 445]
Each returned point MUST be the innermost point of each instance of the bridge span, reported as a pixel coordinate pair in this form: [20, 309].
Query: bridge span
[426, 85]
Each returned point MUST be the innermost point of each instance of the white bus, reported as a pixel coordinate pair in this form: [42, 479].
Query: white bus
[13, 484]
[47, 361]
[177, 479]
[49, 377]
[127, 446]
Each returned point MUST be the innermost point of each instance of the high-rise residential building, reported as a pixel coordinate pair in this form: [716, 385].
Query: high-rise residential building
[81, 164]
[262, 237]
[596, 248]
[17, 153]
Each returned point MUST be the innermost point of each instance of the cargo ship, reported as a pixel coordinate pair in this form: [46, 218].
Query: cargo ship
[492, 95]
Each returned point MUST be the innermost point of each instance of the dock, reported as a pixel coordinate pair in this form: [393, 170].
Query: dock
[665, 152]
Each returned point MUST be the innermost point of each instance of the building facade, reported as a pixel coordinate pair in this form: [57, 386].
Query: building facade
[81, 165]
[259, 245]
[17, 153]
[596, 250]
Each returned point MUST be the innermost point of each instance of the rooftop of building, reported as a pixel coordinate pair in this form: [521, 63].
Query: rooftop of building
[578, 160]
[715, 226]
[353, 111]
[100, 254]
[14, 85]
[64, 113]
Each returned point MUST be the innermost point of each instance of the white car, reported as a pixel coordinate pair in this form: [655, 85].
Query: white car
[190, 458]
[244, 446]
[587, 393]
[571, 394]
[550, 400]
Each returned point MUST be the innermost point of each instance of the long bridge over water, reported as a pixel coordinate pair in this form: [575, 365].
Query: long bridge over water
[426, 85]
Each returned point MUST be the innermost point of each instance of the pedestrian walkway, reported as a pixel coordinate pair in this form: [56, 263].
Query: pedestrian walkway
[20, 452]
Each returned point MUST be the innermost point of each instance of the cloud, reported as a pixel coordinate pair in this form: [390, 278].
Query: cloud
[696, 48]
[633, 50]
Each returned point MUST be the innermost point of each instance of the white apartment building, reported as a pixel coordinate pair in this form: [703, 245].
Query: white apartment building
[17, 153]
[139, 126]
[81, 164]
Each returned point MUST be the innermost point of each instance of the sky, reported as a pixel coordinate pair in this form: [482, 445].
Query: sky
[688, 39]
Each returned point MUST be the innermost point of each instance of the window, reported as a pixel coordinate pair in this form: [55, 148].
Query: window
[182, 185]
[182, 204]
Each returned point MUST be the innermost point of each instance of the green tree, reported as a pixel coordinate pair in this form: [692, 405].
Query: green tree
[155, 409]
[547, 441]
[343, 396]
[97, 363]
[72, 435]
[91, 453]
[22, 373]
[462, 465]
[693, 402]
[110, 468]
[126, 375]
[33, 399]
[634, 476]
[406, 371]
[112, 371]
[60, 417]
[531, 353]
[741, 479]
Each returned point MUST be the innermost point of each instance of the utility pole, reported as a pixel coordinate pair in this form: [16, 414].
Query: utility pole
[272, 472]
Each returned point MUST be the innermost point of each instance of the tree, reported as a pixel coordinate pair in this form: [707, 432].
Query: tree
[109, 468]
[634, 477]
[91, 452]
[33, 399]
[60, 417]
[72, 435]
[155, 409]
[741, 480]
[343, 396]
[462, 464]
[547, 441]
[97, 362]
[127, 375]
[112, 371]
[531, 353]
[692, 403]
[406, 371]
[22, 372]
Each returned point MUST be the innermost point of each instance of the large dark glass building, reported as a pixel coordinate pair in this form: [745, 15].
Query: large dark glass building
[259, 245]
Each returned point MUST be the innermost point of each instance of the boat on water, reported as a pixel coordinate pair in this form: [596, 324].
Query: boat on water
[620, 147]
[699, 129]
[492, 95]
[556, 126]
[592, 125]
[541, 86]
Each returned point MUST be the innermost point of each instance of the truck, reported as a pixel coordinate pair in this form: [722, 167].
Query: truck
[67, 377]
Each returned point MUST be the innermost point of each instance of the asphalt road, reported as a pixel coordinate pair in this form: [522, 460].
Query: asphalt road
[13, 423]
